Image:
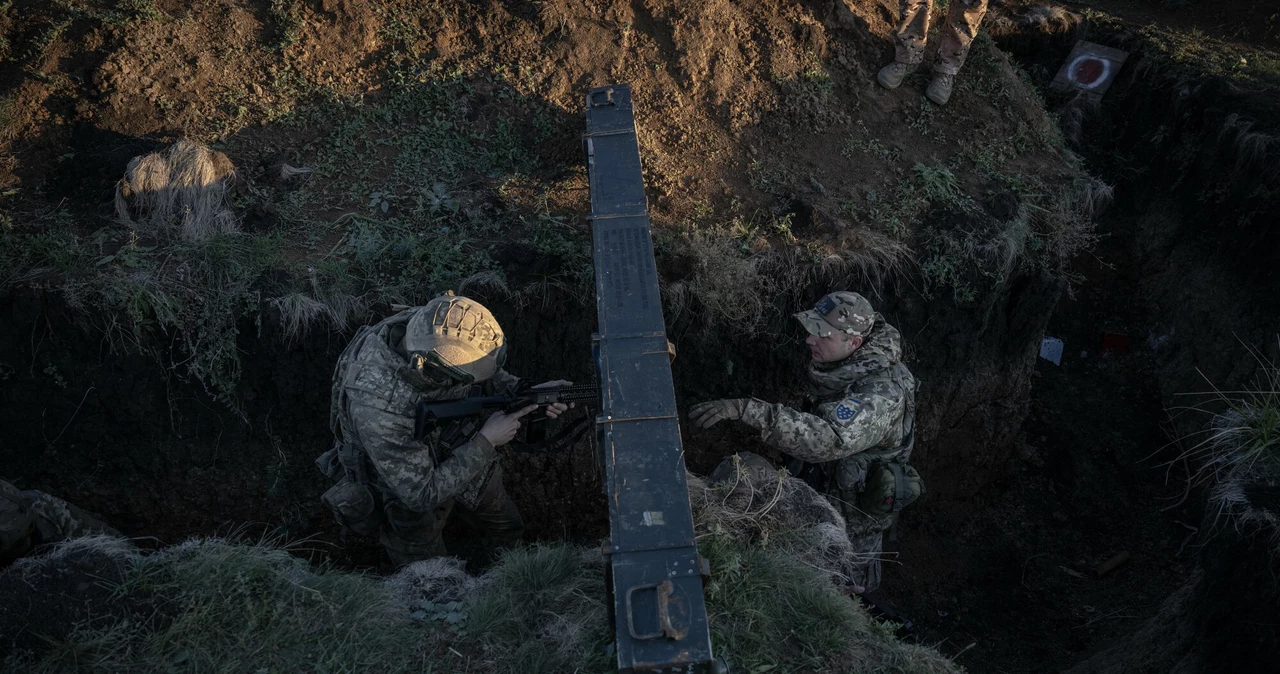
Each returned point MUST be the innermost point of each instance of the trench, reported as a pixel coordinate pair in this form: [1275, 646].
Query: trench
[1038, 473]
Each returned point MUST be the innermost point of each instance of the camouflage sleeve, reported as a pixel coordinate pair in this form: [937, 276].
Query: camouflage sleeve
[404, 464]
[848, 426]
[58, 520]
[504, 382]
[804, 436]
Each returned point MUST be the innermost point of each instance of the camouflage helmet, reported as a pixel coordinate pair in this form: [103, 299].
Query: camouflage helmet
[456, 337]
[840, 311]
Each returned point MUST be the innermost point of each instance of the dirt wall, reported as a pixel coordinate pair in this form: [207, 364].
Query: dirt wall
[122, 435]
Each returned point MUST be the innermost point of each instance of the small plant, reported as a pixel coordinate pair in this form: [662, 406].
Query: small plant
[438, 199]
[940, 186]
[289, 22]
[816, 75]
[52, 372]
[142, 10]
[381, 201]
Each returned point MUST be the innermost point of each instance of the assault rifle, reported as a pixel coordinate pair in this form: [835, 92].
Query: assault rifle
[431, 413]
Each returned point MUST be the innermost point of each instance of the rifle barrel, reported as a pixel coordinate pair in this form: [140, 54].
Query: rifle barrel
[575, 393]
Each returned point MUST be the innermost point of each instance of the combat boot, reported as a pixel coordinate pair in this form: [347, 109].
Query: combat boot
[939, 90]
[890, 76]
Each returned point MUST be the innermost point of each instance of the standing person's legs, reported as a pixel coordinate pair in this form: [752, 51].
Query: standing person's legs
[909, 43]
[957, 36]
[913, 31]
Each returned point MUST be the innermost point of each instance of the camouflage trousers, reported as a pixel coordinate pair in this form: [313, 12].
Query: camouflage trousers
[410, 536]
[957, 35]
[866, 535]
[867, 548]
[32, 518]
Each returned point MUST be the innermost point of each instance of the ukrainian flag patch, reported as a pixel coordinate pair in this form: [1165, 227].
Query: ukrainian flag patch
[847, 410]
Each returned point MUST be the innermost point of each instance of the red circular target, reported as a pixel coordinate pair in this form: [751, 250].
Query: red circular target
[1089, 71]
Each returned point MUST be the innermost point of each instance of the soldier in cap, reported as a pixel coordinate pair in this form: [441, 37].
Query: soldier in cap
[855, 433]
[389, 483]
[31, 518]
[957, 35]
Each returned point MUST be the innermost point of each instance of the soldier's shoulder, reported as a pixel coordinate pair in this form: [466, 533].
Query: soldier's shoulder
[886, 382]
[886, 339]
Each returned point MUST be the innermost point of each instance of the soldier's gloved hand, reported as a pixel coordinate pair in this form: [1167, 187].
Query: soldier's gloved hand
[500, 428]
[710, 413]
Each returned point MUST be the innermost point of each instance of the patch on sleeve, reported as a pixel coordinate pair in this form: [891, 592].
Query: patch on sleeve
[847, 410]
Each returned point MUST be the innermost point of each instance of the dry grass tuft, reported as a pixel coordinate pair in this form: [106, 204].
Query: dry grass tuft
[1237, 454]
[725, 286]
[1249, 147]
[180, 192]
[752, 505]
[1050, 19]
[300, 312]
[868, 259]
[1067, 226]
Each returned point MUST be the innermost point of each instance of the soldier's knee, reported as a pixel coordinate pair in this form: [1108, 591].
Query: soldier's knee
[508, 526]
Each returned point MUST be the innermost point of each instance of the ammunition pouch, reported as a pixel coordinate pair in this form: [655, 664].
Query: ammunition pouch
[873, 487]
[889, 486]
[354, 507]
[329, 464]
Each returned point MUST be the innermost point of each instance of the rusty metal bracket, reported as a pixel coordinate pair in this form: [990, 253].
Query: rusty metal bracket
[666, 592]
[599, 98]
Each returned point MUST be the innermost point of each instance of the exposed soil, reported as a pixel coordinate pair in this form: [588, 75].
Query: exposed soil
[744, 108]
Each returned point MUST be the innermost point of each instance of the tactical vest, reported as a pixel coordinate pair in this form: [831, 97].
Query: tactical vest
[873, 486]
[359, 495]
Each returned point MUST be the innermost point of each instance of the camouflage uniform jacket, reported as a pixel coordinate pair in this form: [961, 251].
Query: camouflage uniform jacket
[864, 407]
[373, 410]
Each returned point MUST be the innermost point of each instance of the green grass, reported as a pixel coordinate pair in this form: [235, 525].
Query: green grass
[236, 608]
[229, 607]
[287, 15]
[1236, 451]
[1242, 438]
[136, 291]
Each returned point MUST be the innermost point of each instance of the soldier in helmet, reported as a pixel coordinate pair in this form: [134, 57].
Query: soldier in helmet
[958, 33]
[855, 433]
[32, 518]
[402, 489]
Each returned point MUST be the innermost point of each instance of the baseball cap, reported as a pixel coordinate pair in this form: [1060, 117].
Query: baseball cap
[840, 311]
